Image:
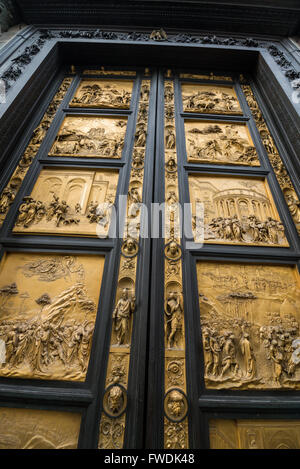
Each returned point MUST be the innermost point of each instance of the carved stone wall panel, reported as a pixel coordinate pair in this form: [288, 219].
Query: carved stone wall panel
[237, 210]
[38, 429]
[112, 426]
[69, 202]
[211, 99]
[250, 316]
[254, 434]
[48, 306]
[10, 191]
[90, 137]
[103, 94]
[219, 143]
[280, 171]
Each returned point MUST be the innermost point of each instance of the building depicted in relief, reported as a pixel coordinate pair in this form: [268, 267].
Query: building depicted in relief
[149, 225]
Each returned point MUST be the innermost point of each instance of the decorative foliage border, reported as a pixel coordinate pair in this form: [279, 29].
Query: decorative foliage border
[15, 70]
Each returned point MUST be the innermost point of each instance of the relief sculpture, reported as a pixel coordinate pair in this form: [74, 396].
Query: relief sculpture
[48, 307]
[9, 193]
[250, 325]
[254, 434]
[91, 137]
[69, 202]
[219, 143]
[212, 99]
[236, 211]
[38, 429]
[103, 94]
[280, 171]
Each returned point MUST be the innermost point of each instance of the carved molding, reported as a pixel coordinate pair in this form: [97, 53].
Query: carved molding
[280, 170]
[112, 424]
[9, 193]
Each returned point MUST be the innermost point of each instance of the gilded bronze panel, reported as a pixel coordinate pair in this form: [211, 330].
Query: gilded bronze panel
[10, 191]
[254, 434]
[250, 318]
[47, 314]
[281, 173]
[219, 143]
[211, 76]
[107, 94]
[38, 429]
[69, 202]
[237, 210]
[91, 137]
[211, 99]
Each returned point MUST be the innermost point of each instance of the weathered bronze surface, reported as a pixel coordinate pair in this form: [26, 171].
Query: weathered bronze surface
[250, 315]
[69, 202]
[38, 429]
[254, 434]
[211, 99]
[90, 136]
[219, 143]
[237, 210]
[9, 193]
[103, 94]
[48, 306]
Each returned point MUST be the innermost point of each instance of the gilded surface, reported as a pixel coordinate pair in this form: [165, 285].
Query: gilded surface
[103, 94]
[211, 76]
[90, 136]
[103, 72]
[38, 429]
[250, 318]
[10, 191]
[212, 99]
[219, 143]
[175, 401]
[280, 171]
[69, 202]
[237, 210]
[48, 306]
[112, 423]
[254, 434]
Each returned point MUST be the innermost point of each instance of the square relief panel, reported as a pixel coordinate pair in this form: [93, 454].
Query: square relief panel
[106, 94]
[90, 137]
[250, 318]
[38, 429]
[210, 99]
[254, 434]
[236, 210]
[69, 202]
[48, 306]
[219, 143]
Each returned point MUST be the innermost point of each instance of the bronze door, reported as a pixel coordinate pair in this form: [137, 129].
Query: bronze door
[126, 324]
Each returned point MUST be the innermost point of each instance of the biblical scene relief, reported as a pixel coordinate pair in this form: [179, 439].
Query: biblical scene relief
[211, 99]
[90, 136]
[236, 211]
[254, 434]
[250, 318]
[220, 143]
[69, 202]
[38, 429]
[103, 94]
[48, 306]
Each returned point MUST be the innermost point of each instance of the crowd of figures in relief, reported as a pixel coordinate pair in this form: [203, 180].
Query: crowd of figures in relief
[49, 334]
[250, 326]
